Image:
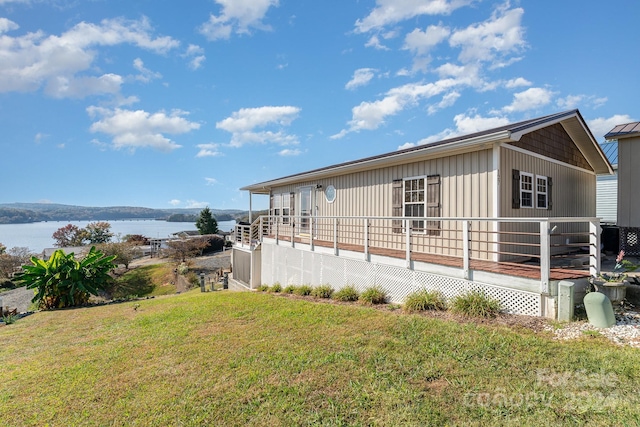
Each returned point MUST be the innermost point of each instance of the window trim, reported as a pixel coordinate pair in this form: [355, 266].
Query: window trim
[545, 192]
[417, 226]
[523, 191]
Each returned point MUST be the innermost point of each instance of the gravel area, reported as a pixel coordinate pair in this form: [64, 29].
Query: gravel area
[626, 331]
[19, 298]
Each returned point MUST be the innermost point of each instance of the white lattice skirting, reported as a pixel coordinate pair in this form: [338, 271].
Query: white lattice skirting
[290, 266]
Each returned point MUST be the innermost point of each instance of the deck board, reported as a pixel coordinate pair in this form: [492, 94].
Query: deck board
[506, 268]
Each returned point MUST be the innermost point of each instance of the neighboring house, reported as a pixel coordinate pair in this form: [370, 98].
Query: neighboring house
[452, 215]
[607, 186]
[628, 206]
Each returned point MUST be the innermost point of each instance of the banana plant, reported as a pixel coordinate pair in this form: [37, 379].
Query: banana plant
[62, 281]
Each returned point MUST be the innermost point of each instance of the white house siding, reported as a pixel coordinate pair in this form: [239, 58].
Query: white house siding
[573, 195]
[466, 182]
[607, 198]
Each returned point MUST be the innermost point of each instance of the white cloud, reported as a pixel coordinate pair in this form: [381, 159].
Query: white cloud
[493, 39]
[289, 152]
[370, 115]
[361, 77]
[465, 125]
[40, 137]
[140, 129]
[208, 150]
[603, 125]
[191, 204]
[210, 181]
[243, 125]
[389, 12]
[196, 56]
[145, 75]
[34, 60]
[238, 16]
[517, 82]
[374, 42]
[530, 99]
[175, 202]
[421, 42]
[7, 25]
[447, 101]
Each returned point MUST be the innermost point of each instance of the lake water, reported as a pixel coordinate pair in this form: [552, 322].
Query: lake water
[37, 236]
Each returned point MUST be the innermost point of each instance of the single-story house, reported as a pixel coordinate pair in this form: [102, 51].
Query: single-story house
[485, 211]
[627, 137]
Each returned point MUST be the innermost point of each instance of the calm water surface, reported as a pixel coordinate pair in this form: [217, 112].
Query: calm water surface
[37, 236]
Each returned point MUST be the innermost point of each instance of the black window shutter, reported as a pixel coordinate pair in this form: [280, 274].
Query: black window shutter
[396, 206]
[549, 193]
[515, 189]
[433, 204]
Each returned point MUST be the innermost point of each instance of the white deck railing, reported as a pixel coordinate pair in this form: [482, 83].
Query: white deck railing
[544, 241]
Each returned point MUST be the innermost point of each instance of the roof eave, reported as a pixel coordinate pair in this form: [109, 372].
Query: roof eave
[389, 160]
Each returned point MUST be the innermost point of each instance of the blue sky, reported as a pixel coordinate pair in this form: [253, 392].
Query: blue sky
[163, 104]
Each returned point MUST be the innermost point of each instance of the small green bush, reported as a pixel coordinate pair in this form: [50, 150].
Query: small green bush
[6, 284]
[348, 293]
[276, 288]
[322, 291]
[303, 290]
[288, 289]
[423, 300]
[373, 295]
[263, 288]
[475, 303]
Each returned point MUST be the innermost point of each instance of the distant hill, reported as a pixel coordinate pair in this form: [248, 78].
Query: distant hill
[20, 213]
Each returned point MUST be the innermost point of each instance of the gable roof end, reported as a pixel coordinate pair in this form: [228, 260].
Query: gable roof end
[624, 131]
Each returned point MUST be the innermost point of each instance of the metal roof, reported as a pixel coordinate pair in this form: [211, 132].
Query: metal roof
[572, 121]
[622, 131]
[610, 149]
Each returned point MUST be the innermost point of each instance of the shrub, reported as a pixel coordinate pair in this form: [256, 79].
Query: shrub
[263, 288]
[475, 303]
[424, 300]
[373, 295]
[322, 291]
[348, 293]
[6, 284]
[303, 290]
[193, 279]
[277, 287]
[288, 289]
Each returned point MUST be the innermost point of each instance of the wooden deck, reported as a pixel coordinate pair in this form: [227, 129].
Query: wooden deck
[506, 268]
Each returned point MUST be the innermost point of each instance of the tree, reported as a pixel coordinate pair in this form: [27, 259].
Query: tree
[3, 248]
[181, 249]
[136, 239]
[62, 281]
[11, 260]
[206, 223]
[124, 251]
[69, 235]
[98, 232]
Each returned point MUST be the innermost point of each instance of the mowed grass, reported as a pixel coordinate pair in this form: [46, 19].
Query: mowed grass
[225, 358]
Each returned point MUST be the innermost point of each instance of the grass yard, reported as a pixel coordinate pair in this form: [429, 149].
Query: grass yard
[230, 359]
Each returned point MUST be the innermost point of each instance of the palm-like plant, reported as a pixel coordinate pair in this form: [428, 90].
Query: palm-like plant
[62, 281]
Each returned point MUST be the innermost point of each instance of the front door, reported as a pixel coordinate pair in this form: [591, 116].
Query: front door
[305, 209]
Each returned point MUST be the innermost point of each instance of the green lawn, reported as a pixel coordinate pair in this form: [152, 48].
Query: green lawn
[229, 359]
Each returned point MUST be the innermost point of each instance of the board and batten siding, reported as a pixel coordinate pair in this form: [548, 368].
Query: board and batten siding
[466, 191]
[573, 194]
[628, 179]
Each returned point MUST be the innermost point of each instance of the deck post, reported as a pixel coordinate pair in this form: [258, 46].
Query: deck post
[335, 236]
[594, 247]
[545, 256]
[407, 244]
[366, 239]
[466, 225]
[311, 221]
[293, 232]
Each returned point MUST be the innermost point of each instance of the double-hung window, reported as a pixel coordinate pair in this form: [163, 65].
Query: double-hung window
[526, 190]
[417, 197]
[531, 191]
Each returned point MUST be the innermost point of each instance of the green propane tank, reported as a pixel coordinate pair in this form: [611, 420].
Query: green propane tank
[599, 310]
